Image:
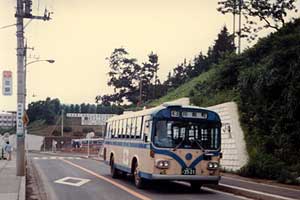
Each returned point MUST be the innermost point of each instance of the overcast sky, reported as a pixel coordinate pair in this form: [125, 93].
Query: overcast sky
[84, 32]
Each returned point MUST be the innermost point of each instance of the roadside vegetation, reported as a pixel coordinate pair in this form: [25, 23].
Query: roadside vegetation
[265, 82]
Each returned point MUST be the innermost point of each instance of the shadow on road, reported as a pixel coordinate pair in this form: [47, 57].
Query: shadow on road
[165, 187]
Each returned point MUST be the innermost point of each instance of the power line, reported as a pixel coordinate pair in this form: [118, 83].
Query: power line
[7, 26]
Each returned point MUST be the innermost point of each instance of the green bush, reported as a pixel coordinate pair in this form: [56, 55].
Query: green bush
[262, 165]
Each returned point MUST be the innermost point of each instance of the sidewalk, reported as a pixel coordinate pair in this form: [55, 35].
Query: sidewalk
[12, 187]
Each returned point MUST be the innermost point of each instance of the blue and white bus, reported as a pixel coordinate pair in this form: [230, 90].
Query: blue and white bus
[169, 142]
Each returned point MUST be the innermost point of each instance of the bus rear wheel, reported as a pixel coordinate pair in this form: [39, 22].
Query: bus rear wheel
[138, 180]
[195, 186]
[113, 170]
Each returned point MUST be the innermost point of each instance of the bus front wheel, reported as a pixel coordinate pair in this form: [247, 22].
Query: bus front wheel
[113, 170]
[138, 180]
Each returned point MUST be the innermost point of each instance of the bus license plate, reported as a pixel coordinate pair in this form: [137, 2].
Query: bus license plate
[188, 171]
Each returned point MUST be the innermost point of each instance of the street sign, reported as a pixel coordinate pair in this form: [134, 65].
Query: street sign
[20, 114]
[25, 119]
[7, 83]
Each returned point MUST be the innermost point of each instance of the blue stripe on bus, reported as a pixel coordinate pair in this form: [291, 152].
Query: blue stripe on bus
[200, 158]
[128, 144]
[160, 151]
[172, 155]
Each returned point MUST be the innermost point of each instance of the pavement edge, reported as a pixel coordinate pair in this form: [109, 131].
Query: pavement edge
[243, 193]
[22, 190]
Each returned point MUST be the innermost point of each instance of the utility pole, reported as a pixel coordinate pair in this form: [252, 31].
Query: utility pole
[141, 92]
[23, 11]
[233, 26]
[62, 123]
[20, 156]
[240, 25]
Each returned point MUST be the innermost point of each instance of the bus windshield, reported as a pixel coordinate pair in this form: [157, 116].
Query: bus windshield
[188, 135]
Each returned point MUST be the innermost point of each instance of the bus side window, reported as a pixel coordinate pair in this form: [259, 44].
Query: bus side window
[139, 127]
[118, 128]
[108, 130]
[124, 127]
[147, 130]
[113, 129]
[121, 129]
[133, 128]
[105, 131]
[128, 127]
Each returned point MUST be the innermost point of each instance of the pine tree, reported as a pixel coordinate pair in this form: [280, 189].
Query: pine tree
[223, 44]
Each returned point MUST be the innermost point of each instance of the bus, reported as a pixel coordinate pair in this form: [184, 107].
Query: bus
[167, 143]
[95, 143]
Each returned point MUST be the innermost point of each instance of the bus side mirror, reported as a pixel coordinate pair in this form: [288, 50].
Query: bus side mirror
[145, 138]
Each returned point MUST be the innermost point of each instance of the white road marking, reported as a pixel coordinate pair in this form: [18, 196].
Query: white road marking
[252, 182]
[216, 191]
[56, 158]
[257, 192]
[78, 181]
[226, 193]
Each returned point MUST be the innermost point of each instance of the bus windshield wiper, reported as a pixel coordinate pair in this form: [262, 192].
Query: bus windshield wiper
[199, 145]
[181, 142]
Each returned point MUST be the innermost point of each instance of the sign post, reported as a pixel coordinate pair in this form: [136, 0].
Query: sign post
[89, 136]
[7, 83]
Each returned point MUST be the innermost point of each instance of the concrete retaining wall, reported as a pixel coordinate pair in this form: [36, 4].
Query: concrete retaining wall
[233, 145]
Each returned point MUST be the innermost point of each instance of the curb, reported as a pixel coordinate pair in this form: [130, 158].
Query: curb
[246, 193]
[22, 190]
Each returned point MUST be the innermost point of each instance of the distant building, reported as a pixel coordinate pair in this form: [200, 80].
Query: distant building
[7, 119]
[88, 119]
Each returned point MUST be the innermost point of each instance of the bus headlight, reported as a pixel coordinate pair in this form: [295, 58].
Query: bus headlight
[162, 164]
[213, 165]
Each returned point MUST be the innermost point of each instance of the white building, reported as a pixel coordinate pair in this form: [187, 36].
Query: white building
[7, 119]
[88, 119]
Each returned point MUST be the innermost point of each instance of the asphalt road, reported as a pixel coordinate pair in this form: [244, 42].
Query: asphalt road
[62, 178]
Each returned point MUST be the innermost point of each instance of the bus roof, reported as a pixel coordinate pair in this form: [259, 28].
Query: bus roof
[153, 111]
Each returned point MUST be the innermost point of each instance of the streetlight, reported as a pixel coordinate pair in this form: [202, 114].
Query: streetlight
[25, 74]
[49, 61]
[25, 90]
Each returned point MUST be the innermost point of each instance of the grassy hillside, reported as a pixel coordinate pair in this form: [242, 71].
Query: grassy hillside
[191, 89]
[185, 89]
[265, 82]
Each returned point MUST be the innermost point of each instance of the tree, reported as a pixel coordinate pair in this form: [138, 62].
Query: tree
[200, 64]
[124, 75]
[76, 108]
[149, 78]
[44, 110]
[259, 14]
[224, 44]
[128, 78]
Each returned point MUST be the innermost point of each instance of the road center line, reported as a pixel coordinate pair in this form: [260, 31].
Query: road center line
[126, 189]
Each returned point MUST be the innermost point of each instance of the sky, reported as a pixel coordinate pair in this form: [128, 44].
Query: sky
[83, 33]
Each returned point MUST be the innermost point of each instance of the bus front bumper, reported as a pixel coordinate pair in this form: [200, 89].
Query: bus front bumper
[204, 179]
